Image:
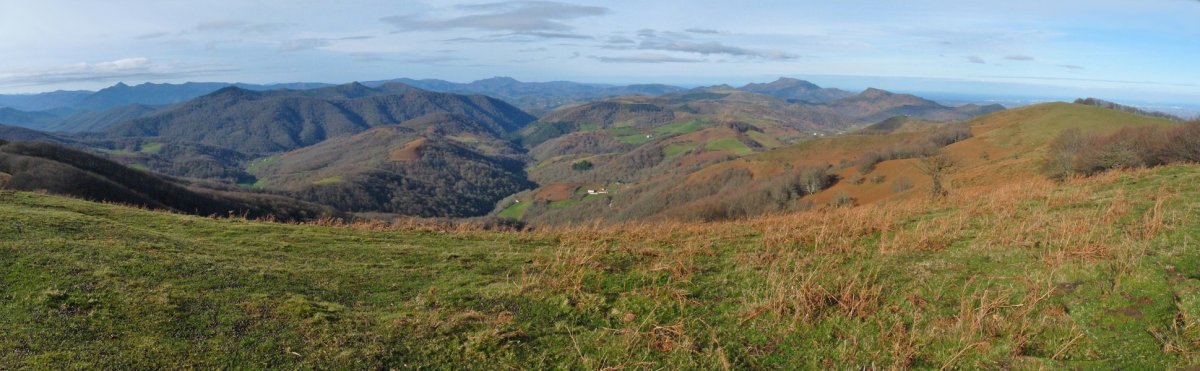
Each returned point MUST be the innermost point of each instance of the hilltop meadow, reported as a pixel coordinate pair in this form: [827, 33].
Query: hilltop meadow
[1091, 272]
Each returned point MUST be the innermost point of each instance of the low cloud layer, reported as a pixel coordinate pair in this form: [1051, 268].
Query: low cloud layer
[510, 16]
[646, 58]
[680, 42]
[315, 43]
[128, 68]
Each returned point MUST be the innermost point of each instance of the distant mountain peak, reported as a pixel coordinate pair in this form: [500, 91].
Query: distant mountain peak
[499, 80]
[496, 82]
[234, 92]
[353, 87]
[796, 90]
[788, 81]
[876, 93]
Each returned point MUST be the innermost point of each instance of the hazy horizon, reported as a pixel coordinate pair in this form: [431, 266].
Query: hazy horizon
[1019, 49]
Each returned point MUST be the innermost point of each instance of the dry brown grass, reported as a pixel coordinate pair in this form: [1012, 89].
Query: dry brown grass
[811, 269]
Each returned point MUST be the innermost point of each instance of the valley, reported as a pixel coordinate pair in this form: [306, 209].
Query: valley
[388, 148]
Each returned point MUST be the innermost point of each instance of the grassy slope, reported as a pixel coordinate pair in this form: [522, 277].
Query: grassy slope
[1006, 146]
[1094, 273]
[515, 211]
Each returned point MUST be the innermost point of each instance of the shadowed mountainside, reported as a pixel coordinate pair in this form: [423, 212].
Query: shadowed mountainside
[60, 170]
[261, 123]
[436, 165]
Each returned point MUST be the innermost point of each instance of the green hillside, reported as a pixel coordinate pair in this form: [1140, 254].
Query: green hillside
[1094, 273]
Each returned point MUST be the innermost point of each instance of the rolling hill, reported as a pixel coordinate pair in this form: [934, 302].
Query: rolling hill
[21, 134]
[868, 168]
[535, 97]
[268, 122]
[439, 165]
[55, 169]
[29, 120]
[43, 101]
[665, 152]
[874, 105]
[98, 121]
[797, 90]
[899, 124]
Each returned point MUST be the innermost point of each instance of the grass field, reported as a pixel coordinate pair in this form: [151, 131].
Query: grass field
[515, 211]
[1095, 273]
[151, 148]
[259, 164]
[683, 127]
[635, 139]
[729, 144]
[677, 149]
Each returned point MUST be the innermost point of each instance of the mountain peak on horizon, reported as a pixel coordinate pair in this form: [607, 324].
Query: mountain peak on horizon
[794, 81]
[875, 93]
[498, 80]
[233, 91]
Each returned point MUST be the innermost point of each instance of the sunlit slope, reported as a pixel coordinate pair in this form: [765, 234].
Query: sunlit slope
[1092, 273]
[1006, 146]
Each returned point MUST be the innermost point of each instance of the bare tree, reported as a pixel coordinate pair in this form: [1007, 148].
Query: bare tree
[814, 180]
[936, 167]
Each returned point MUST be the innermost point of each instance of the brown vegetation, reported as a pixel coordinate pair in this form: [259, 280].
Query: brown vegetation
[1077, 152]
[936, 168]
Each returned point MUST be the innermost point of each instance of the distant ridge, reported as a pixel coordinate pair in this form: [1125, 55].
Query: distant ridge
[874, 105]
[798, 90]
[535, 97]
[274, 121]
[1125, 108]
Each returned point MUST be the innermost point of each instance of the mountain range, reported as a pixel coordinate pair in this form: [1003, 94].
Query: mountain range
[65, 110]
[392, 147]
[536, 97]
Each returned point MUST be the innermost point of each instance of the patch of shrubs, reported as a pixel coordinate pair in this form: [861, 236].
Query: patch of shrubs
[1075, 152]
[583, 165]
[924, 147]
[901, 184]
[841, 199]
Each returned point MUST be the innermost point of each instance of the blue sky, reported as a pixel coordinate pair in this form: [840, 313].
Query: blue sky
[1143, 50]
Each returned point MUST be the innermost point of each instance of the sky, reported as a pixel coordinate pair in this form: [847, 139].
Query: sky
[1133, 50]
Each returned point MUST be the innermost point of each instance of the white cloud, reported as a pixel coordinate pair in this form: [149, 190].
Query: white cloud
[676, 42]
